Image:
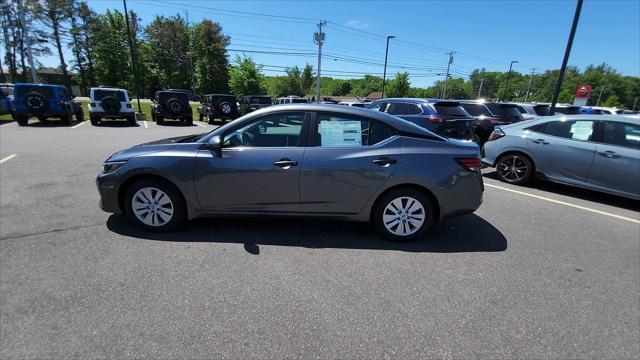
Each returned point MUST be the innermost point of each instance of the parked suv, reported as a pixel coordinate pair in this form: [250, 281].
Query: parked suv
[172, 105]
[44, 101]
[190, 94]
[254, 102]
[489, 114]
[110, 103]
[443, 117]
[218, 106]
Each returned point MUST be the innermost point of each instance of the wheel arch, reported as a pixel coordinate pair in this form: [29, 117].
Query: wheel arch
[516, 152]
[428, 193]
[122, 190]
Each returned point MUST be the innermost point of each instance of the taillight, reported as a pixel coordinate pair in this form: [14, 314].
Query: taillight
[435, 120]
[470, 164]
[496, 134]
[494, 121]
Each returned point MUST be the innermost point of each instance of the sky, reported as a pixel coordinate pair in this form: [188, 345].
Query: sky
[483, 34]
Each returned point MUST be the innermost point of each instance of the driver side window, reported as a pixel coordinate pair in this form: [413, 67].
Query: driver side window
[275, 130]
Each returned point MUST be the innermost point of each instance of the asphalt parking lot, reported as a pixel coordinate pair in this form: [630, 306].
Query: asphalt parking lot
[545, 271]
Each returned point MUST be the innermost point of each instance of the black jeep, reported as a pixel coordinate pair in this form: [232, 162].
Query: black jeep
[218, 106]
[254, 102]
[171, 105]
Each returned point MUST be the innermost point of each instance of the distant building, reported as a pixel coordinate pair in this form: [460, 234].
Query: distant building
[376, 95]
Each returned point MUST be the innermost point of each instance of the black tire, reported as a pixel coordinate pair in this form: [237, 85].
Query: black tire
[225, 108]
[36, 102]
[200, 117]
[79, 115]
[131, 120]
[153, 117]
[175, 105]
[95, 121]
[179, 216]
[66, 118]
[188, 121]
[211, 120]
[514, 168]
[159, 120]
[42, 118]
[22, 120]
[406, 196]
[110, 104]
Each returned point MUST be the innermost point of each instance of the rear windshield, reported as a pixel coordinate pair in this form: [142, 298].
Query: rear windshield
[299, 101]
[100, 94]
[44, 90]
[163, 96]
[476, 109]
[504, 110]
[541, 110]
[569, 110]
[451, 109]
[261, 100]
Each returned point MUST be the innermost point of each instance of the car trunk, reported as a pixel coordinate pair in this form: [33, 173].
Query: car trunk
[455, 121]
[505, 113]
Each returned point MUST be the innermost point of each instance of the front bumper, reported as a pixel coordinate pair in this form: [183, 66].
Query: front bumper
[108, 187]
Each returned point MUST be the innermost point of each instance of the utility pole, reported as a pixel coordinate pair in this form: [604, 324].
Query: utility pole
[567, 52]
[526, 95]
[384, 74]
[600, 96]
[506, 88]
[25, 38]
[635, 102]
[193, 75]
[133, 56]
[446, 78]
[318, 38]
[481, 82]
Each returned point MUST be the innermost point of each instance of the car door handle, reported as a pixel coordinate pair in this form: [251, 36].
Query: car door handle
[285, 163]
[539, 141]
[610, 154]
[384, 161]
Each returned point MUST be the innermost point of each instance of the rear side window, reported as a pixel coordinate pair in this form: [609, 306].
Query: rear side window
[100, 94]
[541, 110]
[44, 90]
[521, 109]
[476, 109]
[580, 130]
[404, 109]
[451, 110]
[504, 110]
[379, 106]
[621, 134]
[343, 131]
[261, 100]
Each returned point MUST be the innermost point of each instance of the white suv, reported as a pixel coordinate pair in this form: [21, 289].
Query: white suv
[110, 103]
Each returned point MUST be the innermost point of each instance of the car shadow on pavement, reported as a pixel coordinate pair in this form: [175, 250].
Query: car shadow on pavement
[176, 123]
[577, 192]
[5, 122]
[469, 233]
[50, 123]
[117, 124]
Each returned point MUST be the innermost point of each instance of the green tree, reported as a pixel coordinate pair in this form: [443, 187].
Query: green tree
[245, 77]
[170, 60]
[399, 86]
[55, 15]
[210, 58]
[307, 79]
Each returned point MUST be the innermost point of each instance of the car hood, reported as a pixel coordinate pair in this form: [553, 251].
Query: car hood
[147, 148]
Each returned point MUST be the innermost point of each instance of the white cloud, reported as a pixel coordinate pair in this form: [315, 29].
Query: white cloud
[356, 24]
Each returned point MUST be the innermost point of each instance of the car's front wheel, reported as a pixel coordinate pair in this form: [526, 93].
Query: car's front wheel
[403, 214]
[22, 120]
[514, 169]
[155, 205]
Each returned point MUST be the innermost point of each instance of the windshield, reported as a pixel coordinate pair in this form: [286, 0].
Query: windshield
[261, 100]
[476, 109]
[504, 110]
[100, 94]
[164, 96]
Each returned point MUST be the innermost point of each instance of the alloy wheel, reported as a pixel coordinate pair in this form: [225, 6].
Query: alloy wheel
[403, 216]
[513, 168]
[152, 206]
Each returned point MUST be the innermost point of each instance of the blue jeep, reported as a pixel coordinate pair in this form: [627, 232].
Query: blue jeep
[44, 101]
[6, 98]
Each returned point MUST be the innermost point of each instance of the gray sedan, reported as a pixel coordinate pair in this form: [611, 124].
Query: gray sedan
[591, 151]
[299, 160]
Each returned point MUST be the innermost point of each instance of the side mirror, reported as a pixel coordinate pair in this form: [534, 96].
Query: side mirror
[215, 144]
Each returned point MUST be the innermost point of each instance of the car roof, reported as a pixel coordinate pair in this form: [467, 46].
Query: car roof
[632, 119]
[108, 88]
[41, 85]
[391, 120]
[219, 95]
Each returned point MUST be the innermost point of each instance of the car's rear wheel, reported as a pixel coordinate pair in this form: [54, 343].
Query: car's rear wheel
[66, 118]
[95, 121]
[79, 115]
[42, 118]
[155, 205]
[188, 121]
[403, 214]
[514, 169]
[131, 120]
[159, 120]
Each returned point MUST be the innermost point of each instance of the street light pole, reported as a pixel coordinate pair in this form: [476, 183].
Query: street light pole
[481, 82]
[133, 56]
[526, 96]
[384, 74]
[567, 52]
[506, 88]
[319, 39]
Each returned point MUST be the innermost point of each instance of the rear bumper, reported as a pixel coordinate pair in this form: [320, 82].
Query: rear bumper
[56, 113]
[461, 194]
[120, 115]
[170, 115]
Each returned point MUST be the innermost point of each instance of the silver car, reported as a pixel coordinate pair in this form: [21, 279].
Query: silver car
[299, 160]
[591, 151]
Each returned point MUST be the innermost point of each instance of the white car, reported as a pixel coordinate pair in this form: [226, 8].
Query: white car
[110, 103]
[291, 100]
[359, 104]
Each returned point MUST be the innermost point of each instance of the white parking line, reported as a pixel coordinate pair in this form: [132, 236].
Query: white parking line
[8, 158]
[145, 124]
[199, 124]
[82, 123]
[635, 221]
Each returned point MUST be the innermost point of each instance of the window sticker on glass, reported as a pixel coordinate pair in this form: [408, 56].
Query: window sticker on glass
[340, 133]
[581, 130]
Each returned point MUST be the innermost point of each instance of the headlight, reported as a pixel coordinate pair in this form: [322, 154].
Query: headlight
[110, 167]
